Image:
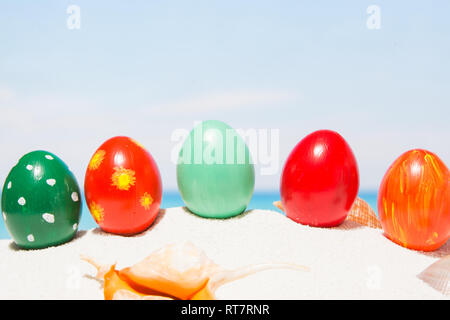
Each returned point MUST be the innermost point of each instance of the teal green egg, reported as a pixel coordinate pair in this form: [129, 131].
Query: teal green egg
[41, 201]
[215, 173]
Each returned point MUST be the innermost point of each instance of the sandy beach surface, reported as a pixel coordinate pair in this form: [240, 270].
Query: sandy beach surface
[347, 262]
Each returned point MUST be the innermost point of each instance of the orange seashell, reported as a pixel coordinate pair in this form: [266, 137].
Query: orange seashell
[177, 271]
[113, 284]
[362, 213]
[279, 205]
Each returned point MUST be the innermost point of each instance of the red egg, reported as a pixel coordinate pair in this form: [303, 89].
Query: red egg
[320, 180]
[414, 201]
[123, 187]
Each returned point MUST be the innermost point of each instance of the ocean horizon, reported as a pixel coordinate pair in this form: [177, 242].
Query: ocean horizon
[260, 200]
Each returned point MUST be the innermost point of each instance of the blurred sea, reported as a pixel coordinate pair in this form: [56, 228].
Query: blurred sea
[260, 200]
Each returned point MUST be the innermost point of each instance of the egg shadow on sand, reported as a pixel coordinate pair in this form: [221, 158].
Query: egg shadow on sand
[346, 225]
[238, 216]
[350, 225]
[159, 217]
[439, 253]
[80, 233]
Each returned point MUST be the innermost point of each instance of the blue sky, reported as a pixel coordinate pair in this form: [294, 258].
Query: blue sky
[147, 68]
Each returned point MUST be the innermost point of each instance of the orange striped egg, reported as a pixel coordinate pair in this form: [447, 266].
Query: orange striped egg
[414, 201]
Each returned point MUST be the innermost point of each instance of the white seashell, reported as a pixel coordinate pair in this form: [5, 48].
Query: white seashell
[438, 275]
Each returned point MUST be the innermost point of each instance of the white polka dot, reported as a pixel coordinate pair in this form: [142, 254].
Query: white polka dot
[22, 201]
[51, 182]
[49, 157]
[9, 185]
[4, 216]
[74, 196]
[29, 167]
[50, 218]
[75, 226]
[30, 238]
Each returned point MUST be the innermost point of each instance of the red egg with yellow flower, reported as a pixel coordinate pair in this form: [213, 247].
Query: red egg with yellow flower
[123, 187]
[414, 201]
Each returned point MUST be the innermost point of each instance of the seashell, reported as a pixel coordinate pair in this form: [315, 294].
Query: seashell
[123, 294]
[177, 271]
[361, 212]
[279, 205]
[438, 275]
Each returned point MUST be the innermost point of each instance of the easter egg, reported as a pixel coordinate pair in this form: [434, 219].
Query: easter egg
[215, 173]
[41, 201]
[414, 201]
[123, 187]
[320, 180]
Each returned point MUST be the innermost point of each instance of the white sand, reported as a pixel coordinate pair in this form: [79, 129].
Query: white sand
[348, 262]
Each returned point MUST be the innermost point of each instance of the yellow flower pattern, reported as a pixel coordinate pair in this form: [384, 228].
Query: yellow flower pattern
[97, 159]
[146, 201]
[123, 178]
[96, 211]
[137, 143]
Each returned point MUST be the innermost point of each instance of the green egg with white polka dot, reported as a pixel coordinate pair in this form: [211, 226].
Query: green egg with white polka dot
[41, 202]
